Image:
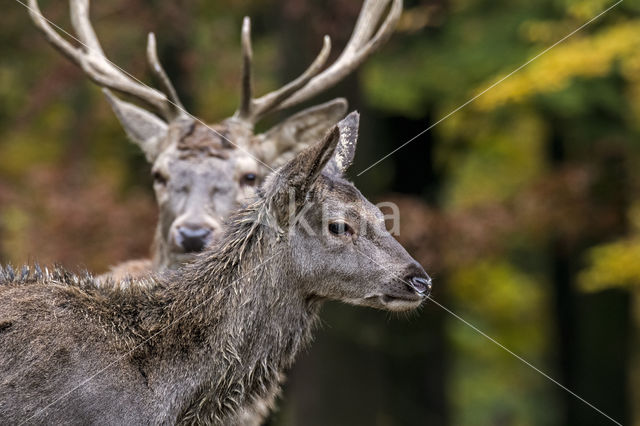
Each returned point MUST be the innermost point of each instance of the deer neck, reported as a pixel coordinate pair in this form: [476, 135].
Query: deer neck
[242, 321]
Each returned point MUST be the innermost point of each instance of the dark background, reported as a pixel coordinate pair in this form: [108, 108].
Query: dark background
[522, 205]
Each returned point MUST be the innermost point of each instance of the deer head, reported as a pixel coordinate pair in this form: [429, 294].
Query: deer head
[204, 172]
[337, 245]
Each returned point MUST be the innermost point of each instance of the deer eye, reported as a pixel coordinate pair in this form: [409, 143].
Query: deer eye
[249, 179]
[159, 178]
[340, 228]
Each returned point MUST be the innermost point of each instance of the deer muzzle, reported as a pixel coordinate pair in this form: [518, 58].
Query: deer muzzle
[421, 285]
[192, 239]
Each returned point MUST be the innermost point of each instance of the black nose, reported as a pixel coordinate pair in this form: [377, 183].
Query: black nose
[193, 240]
[420, 284]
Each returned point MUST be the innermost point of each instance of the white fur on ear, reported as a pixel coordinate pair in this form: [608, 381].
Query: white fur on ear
[143, 128]
[290, 185]
[346, 149]
[281, 142]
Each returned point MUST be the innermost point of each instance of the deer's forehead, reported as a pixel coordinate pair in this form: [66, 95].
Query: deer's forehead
[345, 199]
[340, 190]
[174, 163]
[176, 160]
[243, 162]
[201, 141]
[205, 138]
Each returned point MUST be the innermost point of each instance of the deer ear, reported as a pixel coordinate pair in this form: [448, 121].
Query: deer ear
[143, 128]
[288, 187]
[345, 151]
[283, 141]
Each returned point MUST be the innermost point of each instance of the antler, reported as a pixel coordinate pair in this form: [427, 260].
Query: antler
[251, 110]
[91, 58]
[364, 41]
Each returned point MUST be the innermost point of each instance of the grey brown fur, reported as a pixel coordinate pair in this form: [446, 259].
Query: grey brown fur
[202, 342]
[203, 173]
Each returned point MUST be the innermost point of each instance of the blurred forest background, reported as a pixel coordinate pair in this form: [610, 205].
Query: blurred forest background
[523, 205]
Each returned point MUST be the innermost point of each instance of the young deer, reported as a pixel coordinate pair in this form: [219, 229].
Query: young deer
[203, 173]
[215, 335]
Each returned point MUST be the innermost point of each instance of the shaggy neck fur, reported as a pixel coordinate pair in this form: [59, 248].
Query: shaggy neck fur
[229, 323]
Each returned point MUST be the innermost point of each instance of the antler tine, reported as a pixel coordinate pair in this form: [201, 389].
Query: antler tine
[93, 61]
[51, 35]
[270, 101]
[81, 24]
[100, 69]
[364, 40]
[247, 59]
[162, 77]
[359, 47]
[251, 110]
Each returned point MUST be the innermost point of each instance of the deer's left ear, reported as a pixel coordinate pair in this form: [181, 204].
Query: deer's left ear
[288, 187]
[143, 128]
[283, 141]
[345, 151]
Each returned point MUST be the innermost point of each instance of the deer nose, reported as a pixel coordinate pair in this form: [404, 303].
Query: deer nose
[421, 285]
[192, 239]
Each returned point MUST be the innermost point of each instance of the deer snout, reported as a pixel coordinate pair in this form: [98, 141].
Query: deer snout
[192, 239]
[421, 285]
[419, 281]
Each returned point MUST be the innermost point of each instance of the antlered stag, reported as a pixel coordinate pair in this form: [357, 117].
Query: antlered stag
[203, 173]
[213, 336]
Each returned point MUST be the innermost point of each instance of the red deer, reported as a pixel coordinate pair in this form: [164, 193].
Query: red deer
[212, 337]
[203, 173]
